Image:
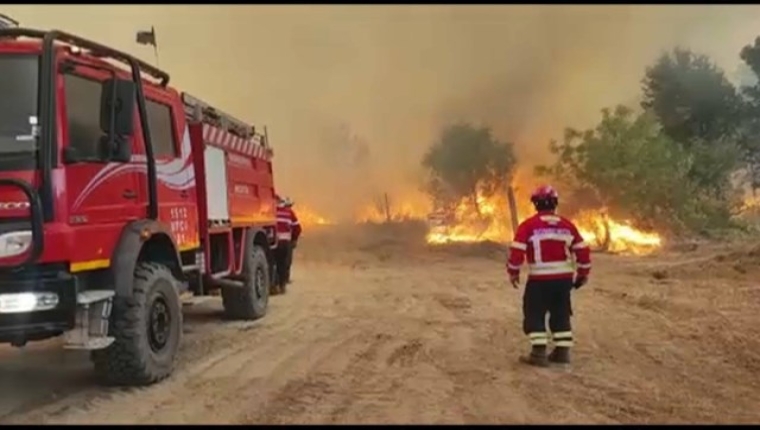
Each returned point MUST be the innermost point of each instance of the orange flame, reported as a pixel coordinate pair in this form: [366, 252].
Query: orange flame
[489, 219]
[413, 207]
[308, 217]
[597, 228]
[483, 220]
[493, 224]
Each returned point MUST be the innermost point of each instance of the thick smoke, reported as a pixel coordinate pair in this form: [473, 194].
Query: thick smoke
[353, 95]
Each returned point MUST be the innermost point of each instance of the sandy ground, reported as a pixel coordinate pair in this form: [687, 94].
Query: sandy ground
[376, 329]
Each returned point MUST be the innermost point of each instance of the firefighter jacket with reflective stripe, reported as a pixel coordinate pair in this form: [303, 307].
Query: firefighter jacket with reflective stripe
[288, 227]
[549, 242]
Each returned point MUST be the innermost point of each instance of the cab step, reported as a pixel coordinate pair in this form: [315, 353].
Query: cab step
[90, 330]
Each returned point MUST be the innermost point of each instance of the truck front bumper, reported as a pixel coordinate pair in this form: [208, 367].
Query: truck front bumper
[36, 307]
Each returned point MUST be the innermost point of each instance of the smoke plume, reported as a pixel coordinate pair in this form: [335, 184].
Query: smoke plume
[353, 95]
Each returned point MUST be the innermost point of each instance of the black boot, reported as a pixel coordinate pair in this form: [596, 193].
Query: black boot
[537, 356]
[560, 355]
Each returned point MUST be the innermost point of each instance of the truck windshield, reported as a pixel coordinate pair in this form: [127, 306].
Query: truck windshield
[18, 102]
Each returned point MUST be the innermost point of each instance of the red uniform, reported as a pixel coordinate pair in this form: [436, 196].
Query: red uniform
[288, 227]
[288, 232]
[549, 242]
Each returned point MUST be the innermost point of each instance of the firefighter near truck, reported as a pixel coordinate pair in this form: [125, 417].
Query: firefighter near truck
[120, 197]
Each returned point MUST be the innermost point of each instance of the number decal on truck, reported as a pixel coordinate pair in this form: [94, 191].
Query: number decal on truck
[181, 227]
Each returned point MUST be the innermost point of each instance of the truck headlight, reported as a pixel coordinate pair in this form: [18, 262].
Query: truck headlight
[15, 243]
[13, 303]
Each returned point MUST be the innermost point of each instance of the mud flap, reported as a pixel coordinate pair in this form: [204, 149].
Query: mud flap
[90, 331]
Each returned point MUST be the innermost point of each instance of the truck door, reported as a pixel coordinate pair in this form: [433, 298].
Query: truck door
[174, 168]
[102, 195]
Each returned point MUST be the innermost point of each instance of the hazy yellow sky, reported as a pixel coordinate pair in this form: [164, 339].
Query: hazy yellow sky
[391, 75]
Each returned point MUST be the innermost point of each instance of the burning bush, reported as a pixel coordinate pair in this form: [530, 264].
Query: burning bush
[467, 163]
[492, 225]
[607, 234]
[469, 175]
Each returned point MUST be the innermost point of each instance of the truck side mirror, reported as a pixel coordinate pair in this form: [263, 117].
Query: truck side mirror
[117, 107]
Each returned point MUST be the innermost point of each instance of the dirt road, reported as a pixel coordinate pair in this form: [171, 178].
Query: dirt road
[379, 331]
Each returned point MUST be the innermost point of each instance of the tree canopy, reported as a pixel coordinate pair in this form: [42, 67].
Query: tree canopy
[691, 97]
[750, 131]
[628, 164]
[701, 111]
[625, 164]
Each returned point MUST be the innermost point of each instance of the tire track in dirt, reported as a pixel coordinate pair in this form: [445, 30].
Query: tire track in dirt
[369, 376]
[39, 375]
[295, 342]
[251, 376]
[385, 377]
[482, 365]
[289, 403]
[208, 341]
[56, 381]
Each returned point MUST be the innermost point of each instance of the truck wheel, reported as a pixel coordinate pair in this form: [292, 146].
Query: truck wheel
[249, 302]
[147, 327]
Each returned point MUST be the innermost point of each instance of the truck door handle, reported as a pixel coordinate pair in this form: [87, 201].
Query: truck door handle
[129, 194]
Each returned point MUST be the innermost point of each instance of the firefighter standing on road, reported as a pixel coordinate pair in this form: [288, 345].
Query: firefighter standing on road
[548, 240]
[288, 232]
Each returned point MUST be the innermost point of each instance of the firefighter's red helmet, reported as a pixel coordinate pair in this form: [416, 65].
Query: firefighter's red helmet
[544, 192]
[545, 197]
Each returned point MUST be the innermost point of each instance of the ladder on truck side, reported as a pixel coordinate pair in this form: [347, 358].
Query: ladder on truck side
[196, 110]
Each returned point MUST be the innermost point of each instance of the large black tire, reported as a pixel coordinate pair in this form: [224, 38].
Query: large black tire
[145, 349]
[249, 302]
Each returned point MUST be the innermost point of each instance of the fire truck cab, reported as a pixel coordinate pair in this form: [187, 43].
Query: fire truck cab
[118, 196]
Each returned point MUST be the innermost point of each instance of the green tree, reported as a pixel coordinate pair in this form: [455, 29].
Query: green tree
[750, 54]
[750, 130]
[701, 111]
[691, 97]
[628, 165]
[467, 160]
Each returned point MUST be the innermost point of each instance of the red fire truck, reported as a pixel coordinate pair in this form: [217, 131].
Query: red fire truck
[118, 196]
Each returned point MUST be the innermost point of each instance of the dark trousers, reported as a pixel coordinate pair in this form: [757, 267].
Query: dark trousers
[553, 297]
[283, 256]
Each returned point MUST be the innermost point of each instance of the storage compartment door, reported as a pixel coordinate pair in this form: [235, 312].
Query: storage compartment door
[216, 184]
